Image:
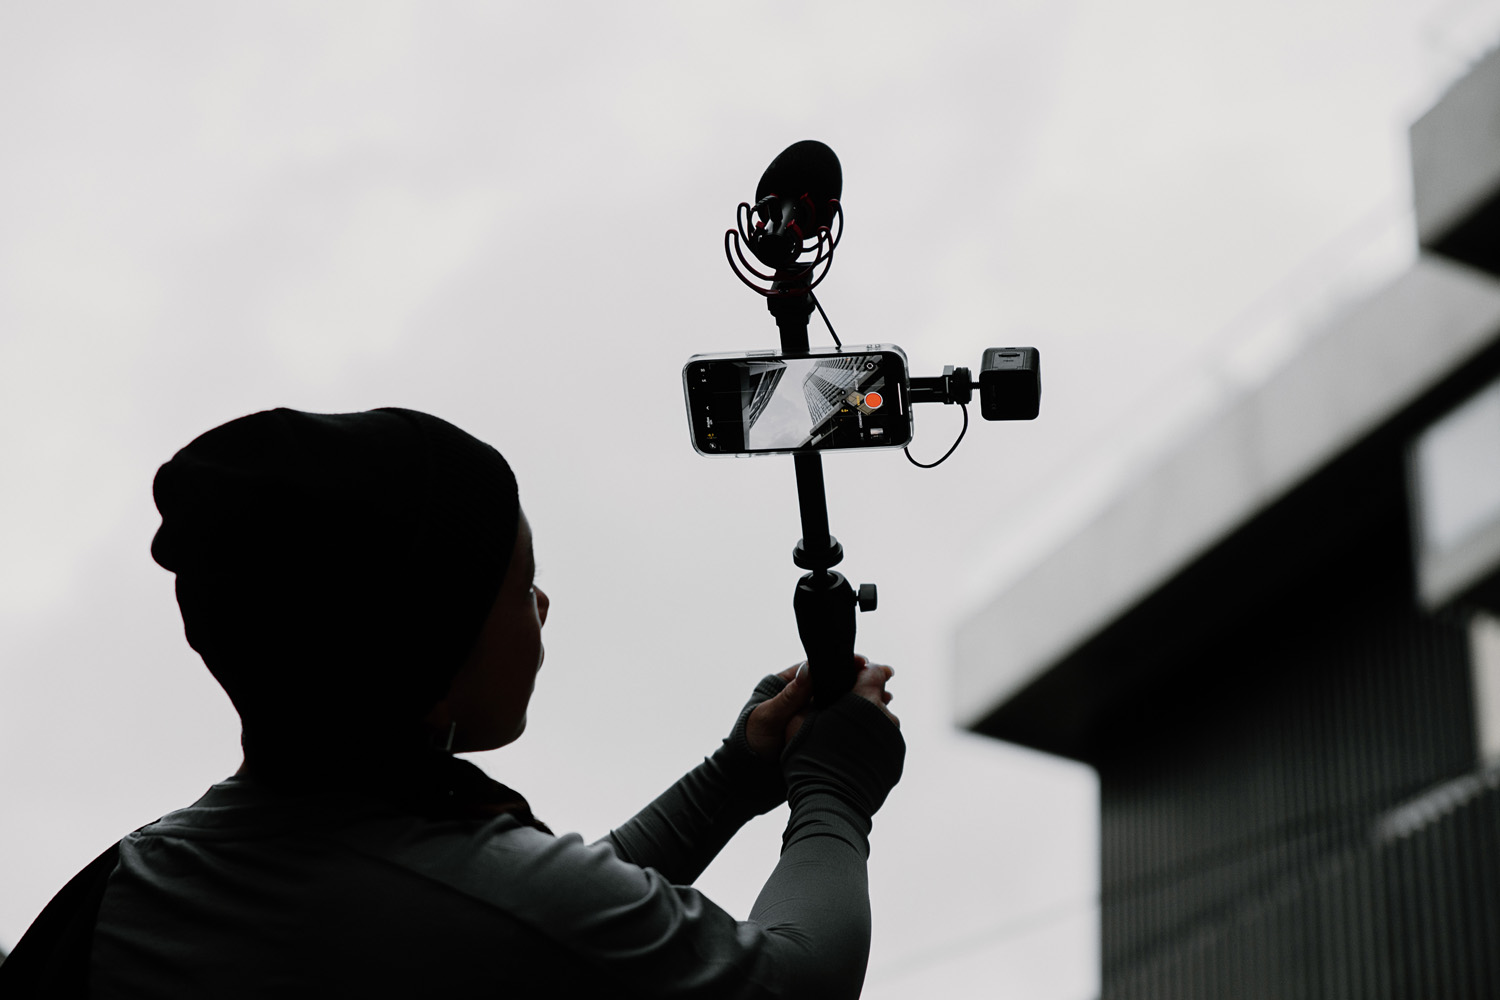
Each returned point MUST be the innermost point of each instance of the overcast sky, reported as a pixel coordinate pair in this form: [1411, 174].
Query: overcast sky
[510, 215]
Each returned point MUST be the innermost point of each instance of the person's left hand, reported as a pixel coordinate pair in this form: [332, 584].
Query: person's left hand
[775, 721]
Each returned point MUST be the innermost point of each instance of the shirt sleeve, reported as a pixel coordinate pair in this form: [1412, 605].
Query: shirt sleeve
[808, 932]
[685, 827]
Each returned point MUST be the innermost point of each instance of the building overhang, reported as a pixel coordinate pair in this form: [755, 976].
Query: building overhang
[1031, 664]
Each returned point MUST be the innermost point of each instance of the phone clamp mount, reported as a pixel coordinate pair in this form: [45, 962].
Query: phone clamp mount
[793, 229]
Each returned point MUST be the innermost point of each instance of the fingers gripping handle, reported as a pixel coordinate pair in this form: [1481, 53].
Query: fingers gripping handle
[824, 604]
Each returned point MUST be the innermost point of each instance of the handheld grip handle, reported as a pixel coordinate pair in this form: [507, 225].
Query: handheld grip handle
[825, 606]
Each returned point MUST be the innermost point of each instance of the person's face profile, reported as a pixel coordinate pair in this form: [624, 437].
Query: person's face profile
[487, 701]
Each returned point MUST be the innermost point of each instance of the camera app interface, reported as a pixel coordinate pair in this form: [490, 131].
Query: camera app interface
[780, 404]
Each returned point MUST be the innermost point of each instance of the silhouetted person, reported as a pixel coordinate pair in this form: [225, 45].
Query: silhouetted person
[361, 586]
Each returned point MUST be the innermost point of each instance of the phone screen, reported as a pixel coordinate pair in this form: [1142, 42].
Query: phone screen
[764, 403]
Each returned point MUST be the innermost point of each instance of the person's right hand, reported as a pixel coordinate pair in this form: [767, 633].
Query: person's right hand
[775, 721]
[845, 748]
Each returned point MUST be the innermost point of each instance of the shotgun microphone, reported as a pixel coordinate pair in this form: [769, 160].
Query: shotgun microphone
[795, 224]
[796, 200]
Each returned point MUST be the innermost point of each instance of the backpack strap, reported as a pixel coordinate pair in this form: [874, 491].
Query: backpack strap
[52, 958]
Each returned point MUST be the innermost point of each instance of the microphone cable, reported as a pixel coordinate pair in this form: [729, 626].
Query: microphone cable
[836, 341]
[913, 461]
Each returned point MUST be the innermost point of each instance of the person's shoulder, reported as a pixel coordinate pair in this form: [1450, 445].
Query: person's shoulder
[451, 849]
[500, 861]
[241, 808]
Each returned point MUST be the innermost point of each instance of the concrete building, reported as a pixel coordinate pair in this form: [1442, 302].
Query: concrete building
[1281, 648]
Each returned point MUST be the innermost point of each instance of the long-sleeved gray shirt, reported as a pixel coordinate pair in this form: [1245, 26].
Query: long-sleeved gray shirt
[254, 892]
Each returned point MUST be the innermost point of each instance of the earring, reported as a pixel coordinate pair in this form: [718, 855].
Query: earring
[448, 744]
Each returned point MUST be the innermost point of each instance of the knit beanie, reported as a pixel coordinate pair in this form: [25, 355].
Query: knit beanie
[334, 570]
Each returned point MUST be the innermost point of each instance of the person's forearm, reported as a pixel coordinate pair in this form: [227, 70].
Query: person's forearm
[817, 902]
[685, 827]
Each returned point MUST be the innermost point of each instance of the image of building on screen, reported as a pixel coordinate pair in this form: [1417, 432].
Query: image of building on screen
[825, 387]
[758, 381]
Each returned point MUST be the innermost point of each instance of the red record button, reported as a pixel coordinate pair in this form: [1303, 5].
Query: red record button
[873, 400]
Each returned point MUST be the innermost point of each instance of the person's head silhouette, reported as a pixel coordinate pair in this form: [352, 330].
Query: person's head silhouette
[354, 581]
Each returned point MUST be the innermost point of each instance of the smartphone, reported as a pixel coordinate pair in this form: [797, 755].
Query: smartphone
[765, 403]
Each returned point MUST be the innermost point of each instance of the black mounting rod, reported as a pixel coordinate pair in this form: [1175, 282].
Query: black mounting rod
[824, 602]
